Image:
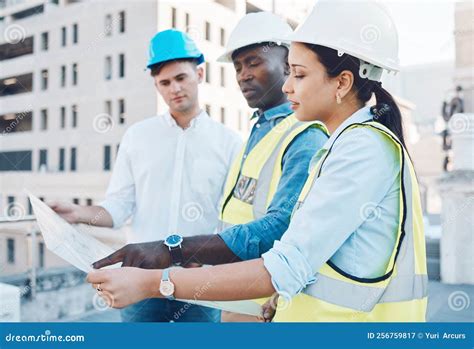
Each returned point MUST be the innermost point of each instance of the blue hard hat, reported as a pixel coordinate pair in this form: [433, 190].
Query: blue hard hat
[172, 44]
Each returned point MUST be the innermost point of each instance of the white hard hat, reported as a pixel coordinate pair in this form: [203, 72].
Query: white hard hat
[256, 28]
[363, 29]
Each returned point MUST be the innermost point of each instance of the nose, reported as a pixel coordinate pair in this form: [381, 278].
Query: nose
[287, 86]
[244, 75]
[175, 87]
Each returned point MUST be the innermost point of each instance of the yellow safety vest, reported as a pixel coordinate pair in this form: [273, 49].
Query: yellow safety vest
[253, 181]
[399, 295]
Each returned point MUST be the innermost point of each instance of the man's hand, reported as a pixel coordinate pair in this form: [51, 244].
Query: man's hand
[269, 308]
[148, 255]
[68, 211]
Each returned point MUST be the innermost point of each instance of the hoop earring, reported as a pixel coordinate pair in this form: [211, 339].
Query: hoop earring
[338, 98]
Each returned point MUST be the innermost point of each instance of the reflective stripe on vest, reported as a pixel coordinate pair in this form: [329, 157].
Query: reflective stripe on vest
[400, 294]
[252, 182]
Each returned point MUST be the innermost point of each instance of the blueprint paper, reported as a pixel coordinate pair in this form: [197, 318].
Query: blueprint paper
[81, 250]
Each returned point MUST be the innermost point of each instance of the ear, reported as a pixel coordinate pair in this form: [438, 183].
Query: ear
[345, 82]
[200, 73]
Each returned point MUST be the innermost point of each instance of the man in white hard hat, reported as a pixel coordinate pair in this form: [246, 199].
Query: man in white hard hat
[265, 180]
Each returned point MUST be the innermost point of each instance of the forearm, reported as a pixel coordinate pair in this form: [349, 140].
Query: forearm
[95, 215]
[207, 249]
[236, 281]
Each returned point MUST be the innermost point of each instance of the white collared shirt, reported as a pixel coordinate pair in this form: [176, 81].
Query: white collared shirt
[170, 180]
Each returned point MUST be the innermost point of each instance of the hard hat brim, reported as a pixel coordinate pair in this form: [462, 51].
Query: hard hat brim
[390, 66]
[200, 59]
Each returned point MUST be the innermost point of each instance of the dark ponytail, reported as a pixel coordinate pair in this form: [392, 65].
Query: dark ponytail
[386, 110]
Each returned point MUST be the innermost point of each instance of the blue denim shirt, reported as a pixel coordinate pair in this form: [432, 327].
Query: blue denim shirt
[251, 240]
[350, 215]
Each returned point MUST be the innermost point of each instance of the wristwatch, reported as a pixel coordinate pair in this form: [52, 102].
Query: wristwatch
[166, 285]
[173, 241]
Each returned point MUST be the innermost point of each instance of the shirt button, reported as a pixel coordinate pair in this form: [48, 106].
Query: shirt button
[257, 125]
[245, 156]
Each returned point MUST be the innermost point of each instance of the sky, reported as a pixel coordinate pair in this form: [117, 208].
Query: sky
[425, 30]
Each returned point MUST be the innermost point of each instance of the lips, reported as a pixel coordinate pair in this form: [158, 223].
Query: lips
[293, 104]
[247, 92]
[178, 99]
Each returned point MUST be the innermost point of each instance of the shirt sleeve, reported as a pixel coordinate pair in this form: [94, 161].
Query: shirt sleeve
[120, 196]
[249, 241]
[359, 172]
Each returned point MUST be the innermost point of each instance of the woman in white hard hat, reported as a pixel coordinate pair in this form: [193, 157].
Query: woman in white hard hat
[355, 249]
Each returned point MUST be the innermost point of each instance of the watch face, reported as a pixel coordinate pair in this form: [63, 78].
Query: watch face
[166, 288]
[173, 240]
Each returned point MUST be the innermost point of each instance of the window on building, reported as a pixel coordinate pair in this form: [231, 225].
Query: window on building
[63, 36]
[44, 79]
[122, 22]
[223, 115]
[187, 21]
[208, 109]
[11, 251]
[108, 25]
[121, 109]
[16, 160]
[75, 33]
[108, 68]
[44, 119]
[62, 159]
[62, 117]
[222, 37]
[10, 200]
[89, 202]
[73, 159]
[121, 65]
[41, 254]
[222, 70]
[43, 159]
[63, 75]
[108, 108]
[107, 157]
[173, 17]
[207, 31]
[44, 41]
[75, 201]
[30, 208]
[208, 72]
[74, 116]
[74, 74]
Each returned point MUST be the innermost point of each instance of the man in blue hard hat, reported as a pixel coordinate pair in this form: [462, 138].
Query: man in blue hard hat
[169, 173]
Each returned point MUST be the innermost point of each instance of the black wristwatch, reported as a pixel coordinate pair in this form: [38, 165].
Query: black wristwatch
[173, 241]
